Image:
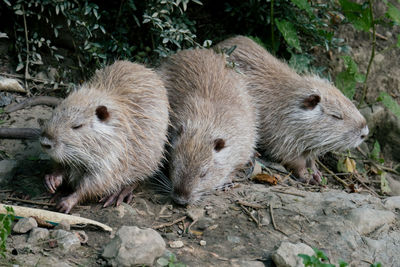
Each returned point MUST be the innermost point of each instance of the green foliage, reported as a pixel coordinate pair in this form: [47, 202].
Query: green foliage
[375, 153]
[5, 228]
[170, 25]
[171, 262]
[317, 260]
[289, 33]
[390, 103]
[393, 13]
[347, 80]
[357, 14]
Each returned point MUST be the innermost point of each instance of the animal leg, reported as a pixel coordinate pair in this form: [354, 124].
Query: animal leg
[125, 194]
[53, 181]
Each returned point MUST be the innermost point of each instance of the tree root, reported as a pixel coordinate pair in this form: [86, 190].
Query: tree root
[34, 101]
[19, 133]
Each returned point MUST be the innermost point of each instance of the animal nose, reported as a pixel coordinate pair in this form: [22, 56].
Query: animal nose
[180, 200]
[46, 142]
[364, 132]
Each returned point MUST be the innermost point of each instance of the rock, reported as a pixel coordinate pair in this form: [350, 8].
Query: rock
[233, 239]
[63, 225]
[195, 213]
[66, 241]
[38, 234]
[8, 168]
[202, 243]
[5, 99]
[134, 246]
[286, 254]
[204, 223]
[379, 58]
[392, 203]
[394, 185]
[24, 225]
[366, 220]
[176, 244]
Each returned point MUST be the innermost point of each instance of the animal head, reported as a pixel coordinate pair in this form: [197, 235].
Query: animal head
[327, 120]
[197, 164]
[77, 127]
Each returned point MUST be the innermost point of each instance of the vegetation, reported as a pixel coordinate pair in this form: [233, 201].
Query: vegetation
[5, 228]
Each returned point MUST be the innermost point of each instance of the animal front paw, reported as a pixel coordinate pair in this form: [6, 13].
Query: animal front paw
[124, 195]
[67, 203]
[53, 181]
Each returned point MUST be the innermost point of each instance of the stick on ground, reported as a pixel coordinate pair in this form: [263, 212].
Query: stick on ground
[19, 133]
[34, 101]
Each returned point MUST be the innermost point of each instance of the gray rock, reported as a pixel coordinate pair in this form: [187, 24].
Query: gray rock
[8, 168]
[66, 241]
[392, 203]
[24, 225]
[5, 99]
[37, 234]
[63, 225]
[204, 223]
[134, 246]
[286, 254]
[233, 239]
[366, 220]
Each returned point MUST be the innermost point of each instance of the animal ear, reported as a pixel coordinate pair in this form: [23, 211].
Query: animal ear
[219, 144]
[311, 101]
[102, 113]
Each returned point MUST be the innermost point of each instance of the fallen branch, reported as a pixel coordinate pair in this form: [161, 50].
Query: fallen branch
[332, 173]
[19, 76]
[248, 204]
[251, 216]
[11, 85]
[19, 133]
[170, 223]
[52, 217]
[34, 101]
[271, 211]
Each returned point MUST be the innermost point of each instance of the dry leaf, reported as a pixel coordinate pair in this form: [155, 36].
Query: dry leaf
[265, 178]
[350, 165]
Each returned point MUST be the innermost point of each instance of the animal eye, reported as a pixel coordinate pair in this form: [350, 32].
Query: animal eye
[337, 116]
[77, 126]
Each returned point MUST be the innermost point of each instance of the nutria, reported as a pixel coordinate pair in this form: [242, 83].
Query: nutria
[300, 117]
[109, 135]
[213, 123]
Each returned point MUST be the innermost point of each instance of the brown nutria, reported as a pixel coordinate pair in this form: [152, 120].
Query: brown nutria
[213, 121]
[299, 117]
[109, 135]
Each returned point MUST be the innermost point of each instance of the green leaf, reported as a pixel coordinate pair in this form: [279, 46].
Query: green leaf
[289, 33]
[162, 261]
[343, 263]
[7, 2]
[393, 13]
[306, 259]
[304, 5]
[390, 103]
[357, 14]
[300, 62]
[345, 82]
[385, 188]
[398, 40]
[376, 151]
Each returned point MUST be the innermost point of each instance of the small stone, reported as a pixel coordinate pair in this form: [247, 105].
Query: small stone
[37, 234]
[67, 241]
[366, 220]
[133, 246]
[63, 225]
[176, 244]
[204, 223]
[195, 213]
[379, 58]
[233, 239]
[24, 225]
[203, 243]
[83, 237]
[8, 168]
[392, 203]
[286, 254]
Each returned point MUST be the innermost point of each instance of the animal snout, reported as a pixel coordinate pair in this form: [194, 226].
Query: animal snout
[180, 199]
[364, 132]
[46, 141]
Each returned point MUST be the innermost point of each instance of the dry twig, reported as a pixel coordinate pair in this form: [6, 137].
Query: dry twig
[169, 223]
[251, 215]
[19, 133]
[34, 101]
[252, 205]
[332, 173]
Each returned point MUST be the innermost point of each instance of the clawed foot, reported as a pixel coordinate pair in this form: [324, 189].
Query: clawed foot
[306, 171]
[124, 195]
[67, 203]
[53, 181]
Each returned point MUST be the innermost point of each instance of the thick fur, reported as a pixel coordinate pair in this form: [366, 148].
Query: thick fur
[111, 132]
[214, 122]
[292, 130]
